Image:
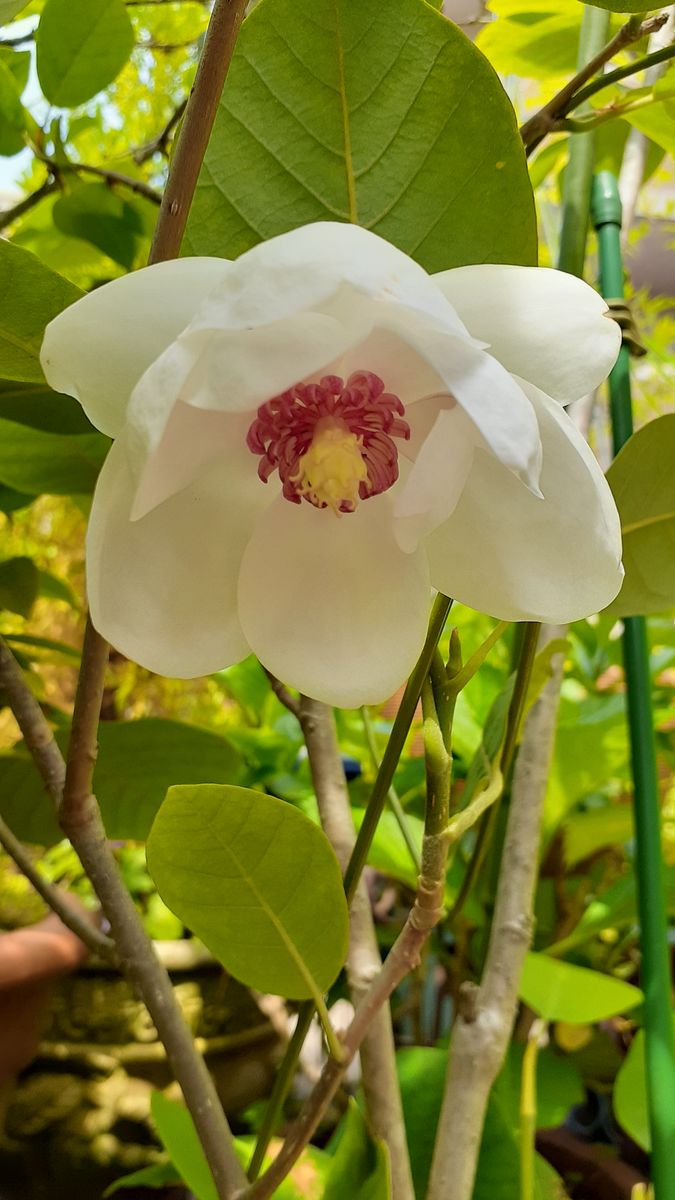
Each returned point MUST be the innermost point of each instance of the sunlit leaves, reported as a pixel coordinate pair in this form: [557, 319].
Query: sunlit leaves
[559, 991]
[81, 46]
[10, 8]
[643, 482]
[381, 114]
[258, 883]
[38, 294]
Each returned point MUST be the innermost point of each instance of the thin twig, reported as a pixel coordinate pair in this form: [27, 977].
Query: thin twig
[159, 144]
[56, 898]
[37, 732]
[378, 1054]
[9, 215]
[283, 695]
[200, 114]
[113, 178]
[546, 119]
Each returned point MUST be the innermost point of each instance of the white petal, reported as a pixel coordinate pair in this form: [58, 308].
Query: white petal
[162, 590]
[516, 557]
[436, 481]
[496, 403]
[330, 604]
[304, 268]
[97, 349]
[544, 325]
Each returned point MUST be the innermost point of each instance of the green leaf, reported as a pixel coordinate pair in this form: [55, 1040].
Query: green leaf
[19, 585]
[422, 1071]
[630, 1093]
[12, 120]
[360, 1166]
[33, 461]
[93, 212]
[160, 750]
[257, 881]
[11, 500]
[643, 482]
[586, 832]
[383, 114]
[38, 294]
[10, 8]
[56, 589]
[535, 38]
[558, 991]
[82, 46]
[179, 1138]
[37, 405]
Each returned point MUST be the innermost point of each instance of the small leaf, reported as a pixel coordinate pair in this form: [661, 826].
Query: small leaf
[12, 120]
[19, 584]
[179, 1138]
[158, 1175]
[56, 589]
[257, 881]
[630, 1093]
[11, 500]
[558, 991]
[82, 46]
[32, 460]
[93, 212]
[360, 1166]
[381, 114]
[38, 294]
[643, 482]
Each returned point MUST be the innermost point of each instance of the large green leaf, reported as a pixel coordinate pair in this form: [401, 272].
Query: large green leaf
[179, 1138]
[35, 461]
[559, 991]
[383, 114]
[257, 881]
[360, 1166]
[82, 46]
[630, 1093]
[36, 294]
[643, 482]
[137, 761]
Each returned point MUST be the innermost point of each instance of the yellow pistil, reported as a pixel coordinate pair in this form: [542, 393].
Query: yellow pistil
[333, 468]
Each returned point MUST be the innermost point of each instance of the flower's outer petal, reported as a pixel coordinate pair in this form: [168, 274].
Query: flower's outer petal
[436, 480]
[509, 554]
[162, 590]
[544, 325]
[330, 604]
[97, 349]
[496, 403]
[304, 268]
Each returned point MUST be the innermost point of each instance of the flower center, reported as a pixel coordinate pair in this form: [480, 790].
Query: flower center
[331, 442]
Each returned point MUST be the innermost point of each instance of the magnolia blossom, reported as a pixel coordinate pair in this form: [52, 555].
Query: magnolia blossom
[310, 439]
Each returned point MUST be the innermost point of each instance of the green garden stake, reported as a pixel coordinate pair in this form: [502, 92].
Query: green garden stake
[656, 981]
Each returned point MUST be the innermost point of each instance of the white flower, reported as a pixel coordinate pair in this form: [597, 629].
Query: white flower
[312, 437]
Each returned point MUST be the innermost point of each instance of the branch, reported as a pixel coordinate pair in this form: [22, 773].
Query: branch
[159, 144]
[114, 178]
[56, 898]
[482, 1031]
[9, 215]
[378, 1055]
[33, 724]
[283, 695]
[546, 119]
[200, 113]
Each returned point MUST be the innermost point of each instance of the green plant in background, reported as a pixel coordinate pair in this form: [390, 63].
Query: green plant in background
[503, 816]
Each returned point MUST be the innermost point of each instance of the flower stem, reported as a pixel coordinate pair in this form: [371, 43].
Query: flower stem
[392, 795]
[394, 747]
